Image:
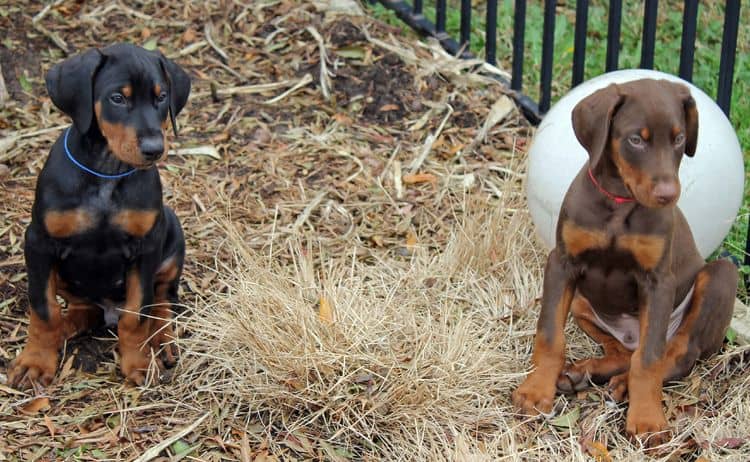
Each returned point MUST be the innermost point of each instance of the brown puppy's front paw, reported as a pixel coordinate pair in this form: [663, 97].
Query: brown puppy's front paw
[648, 425]
[534, 396]
[34, 364]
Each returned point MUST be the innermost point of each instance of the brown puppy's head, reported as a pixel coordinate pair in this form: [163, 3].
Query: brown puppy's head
[643, 128]
[126, 93]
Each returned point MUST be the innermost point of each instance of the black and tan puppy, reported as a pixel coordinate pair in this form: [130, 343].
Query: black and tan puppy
[625, 264]
[100, 236]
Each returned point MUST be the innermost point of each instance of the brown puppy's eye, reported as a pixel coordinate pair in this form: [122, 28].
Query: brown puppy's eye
[117, 98]
[635, 141]
[162, 96]
[679, 139]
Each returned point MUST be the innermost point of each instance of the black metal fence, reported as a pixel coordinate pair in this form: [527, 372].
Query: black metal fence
[413, 15]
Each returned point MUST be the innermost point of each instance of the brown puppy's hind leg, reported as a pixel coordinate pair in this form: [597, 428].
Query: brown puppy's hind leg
[704, 327]
[163, 336]
[616, 359]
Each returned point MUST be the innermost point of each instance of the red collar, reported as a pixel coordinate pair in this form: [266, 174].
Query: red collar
[616, 199]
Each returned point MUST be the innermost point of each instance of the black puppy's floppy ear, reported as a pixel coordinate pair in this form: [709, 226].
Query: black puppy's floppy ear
[70, 85]
[592, 118]
[179, 87]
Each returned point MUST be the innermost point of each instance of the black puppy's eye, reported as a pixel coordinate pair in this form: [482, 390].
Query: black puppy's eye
[117, 98]
[635, 140]
[679, 139]
[162, 96]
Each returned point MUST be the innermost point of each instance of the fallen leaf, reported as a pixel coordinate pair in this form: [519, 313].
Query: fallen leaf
[325, 313]
[218, 138]
[567, 420]
[50, 426]
[25, 84]
[352, 52]
[598, 451]
[35, 405]
[342, 119]
[180, 446]
[67, 368]
[411, 240]
[731, 336]
[150, 44]
[189, 36]
[730, 443]
[414, 178]
[145, 33]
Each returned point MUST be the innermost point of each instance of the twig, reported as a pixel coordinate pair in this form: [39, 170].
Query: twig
[209, 151]
[304, 81]
[499, 111]
[397, 179]
[54, 38]
[133, 12]
[227, 68]
[302, 218]
[38, 17]
[4, 95]
[429, 141]
[207, 32]
[252, 89]
[356, 161]
[156, 450]
[324, 81]
[190, 49]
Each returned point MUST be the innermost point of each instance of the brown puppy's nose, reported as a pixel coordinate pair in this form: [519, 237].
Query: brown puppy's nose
[666, 192]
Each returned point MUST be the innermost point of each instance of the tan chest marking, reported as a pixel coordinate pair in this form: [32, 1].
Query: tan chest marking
[578, 240]
[135, 222]
[67, 223]
[646, 249]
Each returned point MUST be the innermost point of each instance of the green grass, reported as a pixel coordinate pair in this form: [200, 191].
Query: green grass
[667, 56]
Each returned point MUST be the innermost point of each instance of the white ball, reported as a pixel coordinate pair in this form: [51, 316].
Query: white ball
[712, 181]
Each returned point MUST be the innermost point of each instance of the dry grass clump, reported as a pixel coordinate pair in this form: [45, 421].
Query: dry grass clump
[415, 361]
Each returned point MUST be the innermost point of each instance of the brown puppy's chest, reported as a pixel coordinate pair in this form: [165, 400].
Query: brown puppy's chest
[608, 260]
[646, 250]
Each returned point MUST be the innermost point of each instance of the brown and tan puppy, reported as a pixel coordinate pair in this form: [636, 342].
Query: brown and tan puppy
[625, 264]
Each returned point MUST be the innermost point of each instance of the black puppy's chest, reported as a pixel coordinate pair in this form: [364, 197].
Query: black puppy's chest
[99, 233]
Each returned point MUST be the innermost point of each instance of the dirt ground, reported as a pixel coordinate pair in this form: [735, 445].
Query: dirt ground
[304, 130]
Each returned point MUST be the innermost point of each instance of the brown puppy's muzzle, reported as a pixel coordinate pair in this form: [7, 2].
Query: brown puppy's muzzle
[666, 191]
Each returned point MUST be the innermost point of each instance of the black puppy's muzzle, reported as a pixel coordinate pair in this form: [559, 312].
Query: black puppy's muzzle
[152, 147]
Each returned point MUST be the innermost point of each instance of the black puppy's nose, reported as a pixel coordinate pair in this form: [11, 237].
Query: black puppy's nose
[152, 147]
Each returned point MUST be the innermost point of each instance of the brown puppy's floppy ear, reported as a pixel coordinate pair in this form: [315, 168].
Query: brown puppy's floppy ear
[592, 118]
[691, 118]
[179, 87]
[70, 85]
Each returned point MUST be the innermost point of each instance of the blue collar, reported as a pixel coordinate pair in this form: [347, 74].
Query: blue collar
[88, 170]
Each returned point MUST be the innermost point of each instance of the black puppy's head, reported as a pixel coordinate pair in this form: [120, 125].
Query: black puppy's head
[127, 93]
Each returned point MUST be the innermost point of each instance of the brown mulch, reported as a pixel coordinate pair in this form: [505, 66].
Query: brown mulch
[332, 165]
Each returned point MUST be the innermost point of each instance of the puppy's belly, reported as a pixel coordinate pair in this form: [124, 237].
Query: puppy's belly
[94, 278]
[609, 292]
